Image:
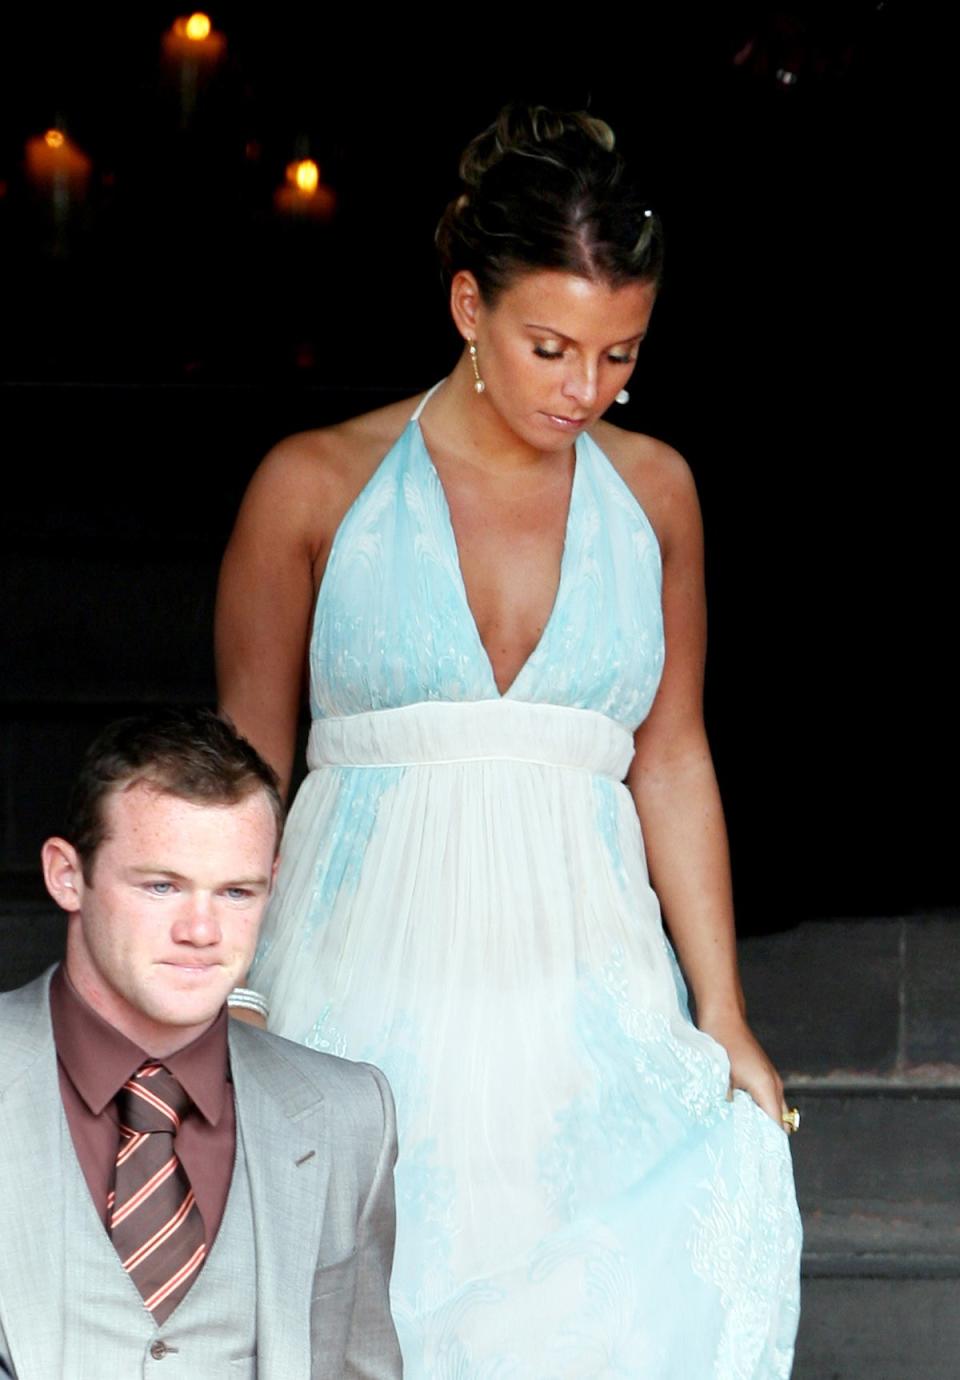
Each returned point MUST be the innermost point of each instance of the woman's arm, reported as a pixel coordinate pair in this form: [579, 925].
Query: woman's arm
[675, 789]
[264, 602]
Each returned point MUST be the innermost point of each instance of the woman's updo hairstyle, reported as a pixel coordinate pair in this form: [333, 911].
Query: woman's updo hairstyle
[546, 189]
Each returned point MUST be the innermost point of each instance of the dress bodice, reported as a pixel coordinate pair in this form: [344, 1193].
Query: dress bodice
[393, 626]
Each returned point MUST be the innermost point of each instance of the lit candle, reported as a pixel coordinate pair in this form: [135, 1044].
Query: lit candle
[57, 168]
[304, 193]
[192, 49]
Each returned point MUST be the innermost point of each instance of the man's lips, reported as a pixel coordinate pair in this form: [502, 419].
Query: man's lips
[190, 965]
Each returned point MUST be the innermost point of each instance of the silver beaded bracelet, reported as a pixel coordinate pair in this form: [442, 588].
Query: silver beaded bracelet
[249, 1000]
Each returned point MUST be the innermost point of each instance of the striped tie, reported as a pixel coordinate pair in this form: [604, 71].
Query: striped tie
[153, 1218]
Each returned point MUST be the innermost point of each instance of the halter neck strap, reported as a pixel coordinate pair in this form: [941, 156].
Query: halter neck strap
[425, 399]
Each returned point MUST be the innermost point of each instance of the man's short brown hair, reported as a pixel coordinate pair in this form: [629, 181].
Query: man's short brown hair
[193, 754]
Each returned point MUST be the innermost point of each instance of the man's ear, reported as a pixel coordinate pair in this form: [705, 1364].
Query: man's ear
[63, 873]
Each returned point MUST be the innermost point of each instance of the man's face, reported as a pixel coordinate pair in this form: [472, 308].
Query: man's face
[168, 922]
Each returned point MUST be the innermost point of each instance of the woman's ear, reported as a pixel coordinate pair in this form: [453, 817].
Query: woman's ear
[465, 303]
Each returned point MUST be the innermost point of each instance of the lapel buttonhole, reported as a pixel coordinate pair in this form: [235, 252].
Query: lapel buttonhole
[303, 1158]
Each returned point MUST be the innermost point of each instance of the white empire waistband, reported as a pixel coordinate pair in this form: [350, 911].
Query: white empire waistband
[443, 731]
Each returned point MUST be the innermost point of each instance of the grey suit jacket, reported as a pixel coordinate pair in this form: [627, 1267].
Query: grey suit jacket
[319, 1138]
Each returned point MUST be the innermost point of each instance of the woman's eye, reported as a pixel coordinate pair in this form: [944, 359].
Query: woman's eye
[544, 353]
[620, 359]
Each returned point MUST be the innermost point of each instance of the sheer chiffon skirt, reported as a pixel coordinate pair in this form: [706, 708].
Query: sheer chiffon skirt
[465, 902]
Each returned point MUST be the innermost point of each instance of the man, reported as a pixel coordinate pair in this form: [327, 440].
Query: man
[177, 1197]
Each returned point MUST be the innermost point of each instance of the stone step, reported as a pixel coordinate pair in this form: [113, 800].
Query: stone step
[878, 1329]
[850, 998]
[877, 1181]
[863, 1017]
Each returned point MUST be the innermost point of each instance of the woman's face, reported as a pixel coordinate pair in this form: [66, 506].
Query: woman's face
[554, 351]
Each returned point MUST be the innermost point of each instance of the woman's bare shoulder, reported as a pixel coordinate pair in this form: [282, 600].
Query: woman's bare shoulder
[329, 460]
[306, 482]
[656, 474]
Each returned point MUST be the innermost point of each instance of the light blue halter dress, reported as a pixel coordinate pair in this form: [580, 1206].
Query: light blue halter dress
[464, 901]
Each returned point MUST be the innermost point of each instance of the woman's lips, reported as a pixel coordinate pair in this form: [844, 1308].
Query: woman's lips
[566, 423]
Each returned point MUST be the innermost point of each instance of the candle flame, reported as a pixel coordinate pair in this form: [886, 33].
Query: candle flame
[54, 139]
[198, 27]
[305, 175]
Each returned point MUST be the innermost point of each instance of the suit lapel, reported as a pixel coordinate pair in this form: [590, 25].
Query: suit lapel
[280, 1125]
[32, 1132]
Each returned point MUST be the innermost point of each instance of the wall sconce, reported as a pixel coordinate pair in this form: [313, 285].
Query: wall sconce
[192, 51]
[58, 169]
[304, 193]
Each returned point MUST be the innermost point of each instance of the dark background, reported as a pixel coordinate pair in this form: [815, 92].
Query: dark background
[162, 335]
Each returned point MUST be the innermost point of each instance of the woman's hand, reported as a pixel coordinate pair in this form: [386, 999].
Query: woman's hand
[750, 1069]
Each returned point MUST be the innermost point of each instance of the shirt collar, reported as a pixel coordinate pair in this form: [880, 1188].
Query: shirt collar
[98, 1059]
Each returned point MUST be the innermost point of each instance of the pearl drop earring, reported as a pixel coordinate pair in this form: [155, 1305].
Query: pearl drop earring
[478, 383]
[622, 397]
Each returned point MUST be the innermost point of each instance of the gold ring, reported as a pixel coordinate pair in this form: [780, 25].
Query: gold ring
[791, 1119]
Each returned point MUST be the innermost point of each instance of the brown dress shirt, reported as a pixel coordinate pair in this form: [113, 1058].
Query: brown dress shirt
[94, 1062]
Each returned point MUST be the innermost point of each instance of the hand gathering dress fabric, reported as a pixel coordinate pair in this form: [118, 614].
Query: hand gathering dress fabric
[464, 901]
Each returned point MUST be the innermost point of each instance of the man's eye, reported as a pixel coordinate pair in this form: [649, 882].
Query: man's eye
[238, 893]
[160, 888]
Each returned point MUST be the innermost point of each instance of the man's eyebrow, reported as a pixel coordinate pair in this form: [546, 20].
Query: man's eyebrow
[155, 870]
[145, 870]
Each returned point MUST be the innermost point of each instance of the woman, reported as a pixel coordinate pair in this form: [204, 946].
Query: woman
[589, 1184]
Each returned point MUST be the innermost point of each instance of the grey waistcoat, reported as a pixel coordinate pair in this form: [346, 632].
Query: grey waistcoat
[108, 1333]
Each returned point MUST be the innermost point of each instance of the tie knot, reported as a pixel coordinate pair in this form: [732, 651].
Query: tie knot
[152, 1100]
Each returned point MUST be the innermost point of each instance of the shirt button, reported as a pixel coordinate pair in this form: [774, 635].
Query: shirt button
[158, 1350]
